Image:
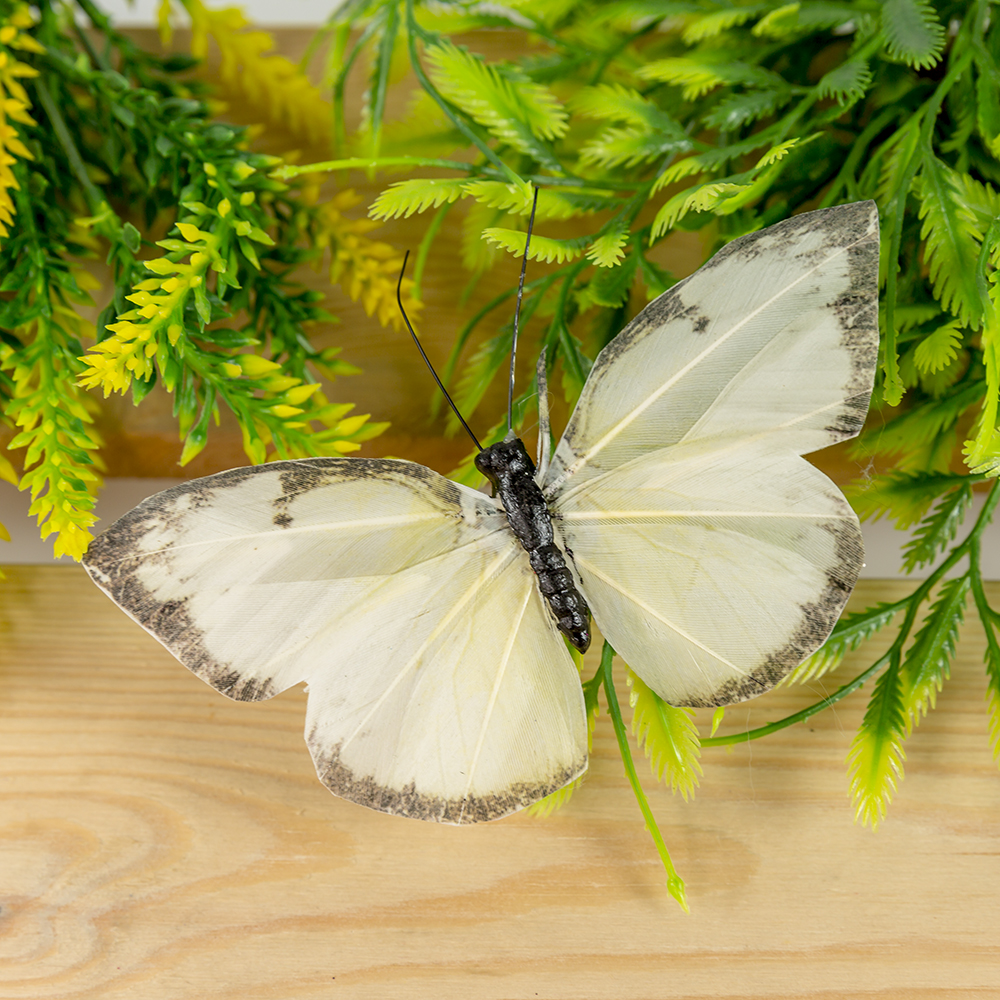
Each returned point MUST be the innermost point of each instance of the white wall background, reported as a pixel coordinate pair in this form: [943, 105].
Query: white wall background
[268, 13]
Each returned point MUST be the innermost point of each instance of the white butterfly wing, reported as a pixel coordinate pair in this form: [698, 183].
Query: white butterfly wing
[713, 573]
[714, 558]
[775, 335]
[439, 687]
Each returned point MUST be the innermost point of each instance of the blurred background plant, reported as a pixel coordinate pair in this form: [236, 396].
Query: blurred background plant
[642, 122]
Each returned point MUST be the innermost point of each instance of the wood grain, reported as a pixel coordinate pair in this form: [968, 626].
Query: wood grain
[162, 843]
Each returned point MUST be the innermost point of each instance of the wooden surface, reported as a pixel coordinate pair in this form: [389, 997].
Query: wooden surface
[158, 842]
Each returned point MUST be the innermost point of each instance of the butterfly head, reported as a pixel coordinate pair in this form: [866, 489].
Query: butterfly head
[504, 459]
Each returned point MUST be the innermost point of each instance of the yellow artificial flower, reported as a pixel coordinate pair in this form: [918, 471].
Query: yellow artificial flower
[14, 106]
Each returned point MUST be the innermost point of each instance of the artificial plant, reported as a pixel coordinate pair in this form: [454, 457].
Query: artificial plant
[638, 118]
[109, 152]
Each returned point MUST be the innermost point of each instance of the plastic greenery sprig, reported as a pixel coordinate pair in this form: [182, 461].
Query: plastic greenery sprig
[675, 884]
[636, 121]
[94, 127]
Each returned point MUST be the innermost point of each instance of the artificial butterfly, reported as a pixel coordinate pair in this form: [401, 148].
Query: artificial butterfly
[713, 557]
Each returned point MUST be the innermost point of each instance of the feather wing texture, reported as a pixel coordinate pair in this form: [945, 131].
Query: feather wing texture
[713, 573]
[438, 684]
[776, 335]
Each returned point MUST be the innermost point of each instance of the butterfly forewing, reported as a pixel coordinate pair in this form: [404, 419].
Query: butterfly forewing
[776, 335]
[367, 579]
[714, 558]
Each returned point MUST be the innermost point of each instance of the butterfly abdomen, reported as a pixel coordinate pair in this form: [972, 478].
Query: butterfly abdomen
[509, 468]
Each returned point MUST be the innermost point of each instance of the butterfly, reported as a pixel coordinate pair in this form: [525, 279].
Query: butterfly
[712, 556]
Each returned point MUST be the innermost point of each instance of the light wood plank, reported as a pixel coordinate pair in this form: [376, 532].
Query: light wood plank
[160, 842]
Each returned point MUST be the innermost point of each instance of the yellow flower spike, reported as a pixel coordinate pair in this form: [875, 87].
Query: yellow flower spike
[225, 207]
[247, 198]
[148, 312]
[345, 446]
[170, 285]
[174, 332]
[279, 383]
[151, 284]
[243, 228]
[351, 425]
[241, 171]
[254, 366]
[300, 393]
[283, 410]
[232, 370]
[209, 169]
[195, 280]
[191, 232]
[8, 34]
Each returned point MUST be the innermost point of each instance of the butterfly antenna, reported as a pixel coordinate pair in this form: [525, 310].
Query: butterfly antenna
[517, 314]
[427, 360]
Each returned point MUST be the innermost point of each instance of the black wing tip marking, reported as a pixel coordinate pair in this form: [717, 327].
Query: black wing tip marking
[815, 625]
[170, 623]
[410, 803]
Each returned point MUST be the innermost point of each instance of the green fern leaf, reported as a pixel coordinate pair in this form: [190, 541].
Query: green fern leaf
[742, 109]
[875, 760]
[988, 99]
[629, 146]
[556, 800]
[668, 735]
[701, 198]
[688, 167]
[846, 636]
[981, 200]
[913, 33]
[802, 18]
[928, 660]
[938, 530]
[614, 102]
[514, 109]
[718, 21]
[611, 285]
[776, 153]
[939, 349]
[919, 426]
[542, 248]
[477, 254]
[699, 76]
[552, 203]
[404, 198]
[608, 250]
[950, 230]
[509, 197]
[847, 82]
[905, 497]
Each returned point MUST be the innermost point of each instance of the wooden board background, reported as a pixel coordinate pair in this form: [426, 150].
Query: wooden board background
[158, 842]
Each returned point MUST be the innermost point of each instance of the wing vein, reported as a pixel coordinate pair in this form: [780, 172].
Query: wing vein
[495, 566]
[638, 410]
[652, 611]
[494, 694]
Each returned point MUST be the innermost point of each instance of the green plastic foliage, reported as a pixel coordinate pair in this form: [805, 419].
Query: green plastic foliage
[92, 128]
[637, 119]
[668, 735]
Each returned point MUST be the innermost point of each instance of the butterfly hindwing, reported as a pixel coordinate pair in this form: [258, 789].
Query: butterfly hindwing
[713, 573]
[438, 684]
